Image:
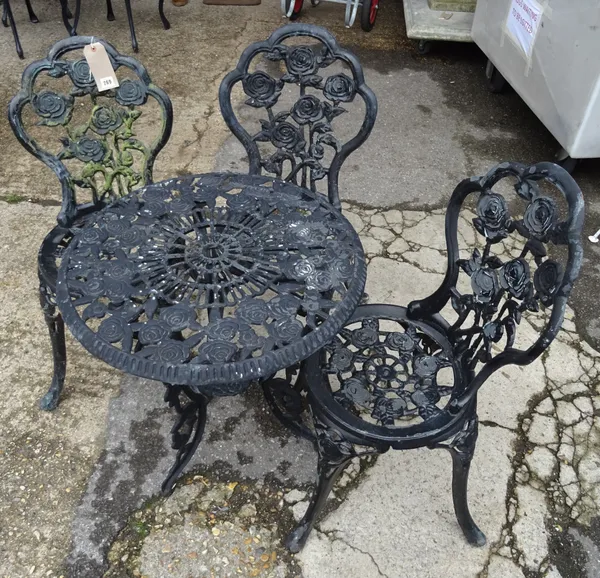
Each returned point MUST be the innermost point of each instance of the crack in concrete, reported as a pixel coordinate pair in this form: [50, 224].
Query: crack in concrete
[333, 537]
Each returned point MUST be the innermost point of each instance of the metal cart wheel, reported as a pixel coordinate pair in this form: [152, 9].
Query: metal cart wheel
[424, 46]
[368, 14]
[291, 8]
[496, 82]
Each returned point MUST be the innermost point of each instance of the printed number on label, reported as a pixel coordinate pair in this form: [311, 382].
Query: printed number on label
[107, 82]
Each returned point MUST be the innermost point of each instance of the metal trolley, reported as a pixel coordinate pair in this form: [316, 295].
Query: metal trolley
[368, 11]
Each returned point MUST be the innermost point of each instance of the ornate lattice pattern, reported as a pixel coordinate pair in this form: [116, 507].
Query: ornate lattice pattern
[388, 376]
[104, 155]
[216, 279]
[302, 134]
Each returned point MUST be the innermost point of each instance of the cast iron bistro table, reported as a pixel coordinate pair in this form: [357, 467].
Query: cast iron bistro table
[207, 283]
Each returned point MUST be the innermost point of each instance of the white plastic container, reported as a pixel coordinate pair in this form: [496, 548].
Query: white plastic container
[549, 52]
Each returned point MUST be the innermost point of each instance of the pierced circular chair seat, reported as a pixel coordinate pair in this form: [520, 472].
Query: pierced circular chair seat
[386, 380]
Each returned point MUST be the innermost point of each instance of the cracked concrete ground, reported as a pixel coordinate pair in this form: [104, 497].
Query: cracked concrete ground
[79, 486]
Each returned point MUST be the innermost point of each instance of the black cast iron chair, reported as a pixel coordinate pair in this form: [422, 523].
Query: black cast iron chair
[87, 138]
[404, 378]
[110, 16]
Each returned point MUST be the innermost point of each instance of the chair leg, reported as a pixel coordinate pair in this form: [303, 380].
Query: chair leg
[462, 448]
[161, 10]
[134, 42]
[110, 15]
[56, 327]
[335, 453]
[7, 17]
[32, 17]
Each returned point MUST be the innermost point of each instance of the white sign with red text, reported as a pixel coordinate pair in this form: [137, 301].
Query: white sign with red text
[523, 21]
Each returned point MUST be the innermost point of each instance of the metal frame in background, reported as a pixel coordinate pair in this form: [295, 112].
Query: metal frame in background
[110, 16]
[369, 8]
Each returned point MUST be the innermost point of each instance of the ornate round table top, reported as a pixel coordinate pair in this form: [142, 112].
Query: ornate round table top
[211, 280]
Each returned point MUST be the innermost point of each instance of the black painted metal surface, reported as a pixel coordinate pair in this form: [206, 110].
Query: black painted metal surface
[211, 280]
[100, 158]
[301, 135]
[402, 378]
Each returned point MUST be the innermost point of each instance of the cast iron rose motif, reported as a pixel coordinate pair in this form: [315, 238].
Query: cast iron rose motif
[52, 107]
[177, 317]
[401, 341]
[286, 330]
[248, 338]
[106, 119]
[153, 332]
[365, 337]
[342, 359]
[493, 217]
[80, 74]
[540, 217]
[216, 352]
[484, 283]
[171, 351]
[340, 88]
[514, 278]
[223, 330]
[286, 136]
[262, 89]
[301, 61]
[426, 365]
[88, 149]
[355, 391]
[113, 329]
[547, 279]
[387, 410]
[307, 109]
[131, 93]
[252, 311]
[284, 306]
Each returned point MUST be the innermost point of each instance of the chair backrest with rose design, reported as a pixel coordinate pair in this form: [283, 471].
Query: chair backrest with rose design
[87, 137]
[520, 271]
[306, 149]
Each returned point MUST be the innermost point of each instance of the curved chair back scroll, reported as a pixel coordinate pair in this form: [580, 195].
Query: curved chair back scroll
[112, 159]
[506, 287]
[301, 134]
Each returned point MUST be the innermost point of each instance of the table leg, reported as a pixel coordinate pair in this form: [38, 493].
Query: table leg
[188, 430]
